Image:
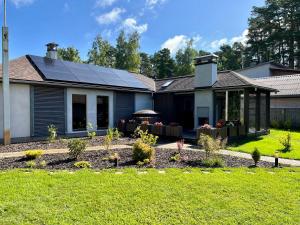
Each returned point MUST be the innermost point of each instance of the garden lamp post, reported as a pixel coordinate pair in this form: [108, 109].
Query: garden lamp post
[276, 159]
[5, 81]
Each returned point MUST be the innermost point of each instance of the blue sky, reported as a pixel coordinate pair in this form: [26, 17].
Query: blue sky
[161, 23]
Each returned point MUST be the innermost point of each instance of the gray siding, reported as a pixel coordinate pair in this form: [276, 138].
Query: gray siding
[48, 108]
[124, 106]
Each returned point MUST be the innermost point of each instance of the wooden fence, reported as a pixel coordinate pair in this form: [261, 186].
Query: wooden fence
[284, 114]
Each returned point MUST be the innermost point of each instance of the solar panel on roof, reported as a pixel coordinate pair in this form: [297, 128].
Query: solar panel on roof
[85, 73]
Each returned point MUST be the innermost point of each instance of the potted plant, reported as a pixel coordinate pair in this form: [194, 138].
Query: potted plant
[158, 128]
[122, 125]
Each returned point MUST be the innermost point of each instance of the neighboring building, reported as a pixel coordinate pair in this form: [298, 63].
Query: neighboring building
[285, 104]
[69, 95]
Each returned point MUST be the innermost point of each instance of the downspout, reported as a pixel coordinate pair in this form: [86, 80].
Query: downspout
[5, 83]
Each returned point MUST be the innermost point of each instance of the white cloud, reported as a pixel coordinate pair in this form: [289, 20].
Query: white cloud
[20, 3]
[179, 41]
[110, 17]
[153, 3]
[130, 25]
[216, 44]
[104, 3]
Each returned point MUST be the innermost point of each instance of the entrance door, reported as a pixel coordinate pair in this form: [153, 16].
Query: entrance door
[185, 110]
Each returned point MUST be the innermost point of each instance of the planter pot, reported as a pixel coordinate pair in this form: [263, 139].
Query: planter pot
[122, 127]
[242, 130]
[130, 127]
[233, 131]
[174, 131]
[158, 130]
[222, 132]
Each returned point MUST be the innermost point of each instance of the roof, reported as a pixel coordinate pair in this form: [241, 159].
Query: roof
[288, 85]
[232, 79]
[225, 80]
[21, 69]
[34, 69]
[184, 83]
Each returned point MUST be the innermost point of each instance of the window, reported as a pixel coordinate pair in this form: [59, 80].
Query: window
[102, 112]
[168, 83]
[79, 112]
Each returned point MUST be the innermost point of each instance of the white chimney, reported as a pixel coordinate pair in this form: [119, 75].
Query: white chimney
[206, 70]
[52, 50]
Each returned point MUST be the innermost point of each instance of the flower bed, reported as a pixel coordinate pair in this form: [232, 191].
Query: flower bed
[97, 160]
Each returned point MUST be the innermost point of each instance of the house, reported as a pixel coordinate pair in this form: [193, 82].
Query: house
[45, 90]
[285, 104]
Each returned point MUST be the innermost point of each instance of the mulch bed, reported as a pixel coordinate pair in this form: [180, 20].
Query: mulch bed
[61, 143]
[96, 158]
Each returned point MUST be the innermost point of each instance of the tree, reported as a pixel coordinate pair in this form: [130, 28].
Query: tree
[102, 53]
[274, 32]
[69, 54]
[146, 67]
[127, 52]
[164, 65]
[230, 57]
[184, 59]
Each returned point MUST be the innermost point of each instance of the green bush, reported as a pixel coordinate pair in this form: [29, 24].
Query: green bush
[175, 157]
[275, 124]
[31, 164]
[43, 164]
[145, 137]
[33, 154]
[142, 151]
[91, 134]
[287, 124]
[286, 142]
[213, 162]
[83, 164]
[52, 133]
[76, 147]
[256, 156]
[211, 145]
[112, 134]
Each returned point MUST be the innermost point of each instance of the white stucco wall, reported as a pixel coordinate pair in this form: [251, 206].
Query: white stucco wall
[205, 75]
[143, 101]
[91, 98]
[203, 98]
[256, 72]
[20, 110]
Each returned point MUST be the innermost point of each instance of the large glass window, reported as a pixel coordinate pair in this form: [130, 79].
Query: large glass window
[263, 117]
[252, 112]
[79, 112]
[102, 112]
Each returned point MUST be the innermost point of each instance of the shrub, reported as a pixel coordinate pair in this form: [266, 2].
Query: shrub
[33, 154]
[91, 134]
[52, 132]
[287, 124]
[43, 164]
[142, 151]
[145, 137]
[286, 142]
[142, 163]
[83, 164]
[256, 156]
[210, 145]
[175, 158]
[112, 134]
[275, 124]
[214, 162]
[76, 147]
[31, 164]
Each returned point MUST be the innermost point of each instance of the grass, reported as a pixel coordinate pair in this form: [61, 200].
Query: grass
[84, 197]
[268, 144]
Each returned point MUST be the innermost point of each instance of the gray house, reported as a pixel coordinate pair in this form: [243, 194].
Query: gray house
[45, 90]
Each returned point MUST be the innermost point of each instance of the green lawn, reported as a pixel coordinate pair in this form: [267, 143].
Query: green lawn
[239, 197]
[268, 144]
